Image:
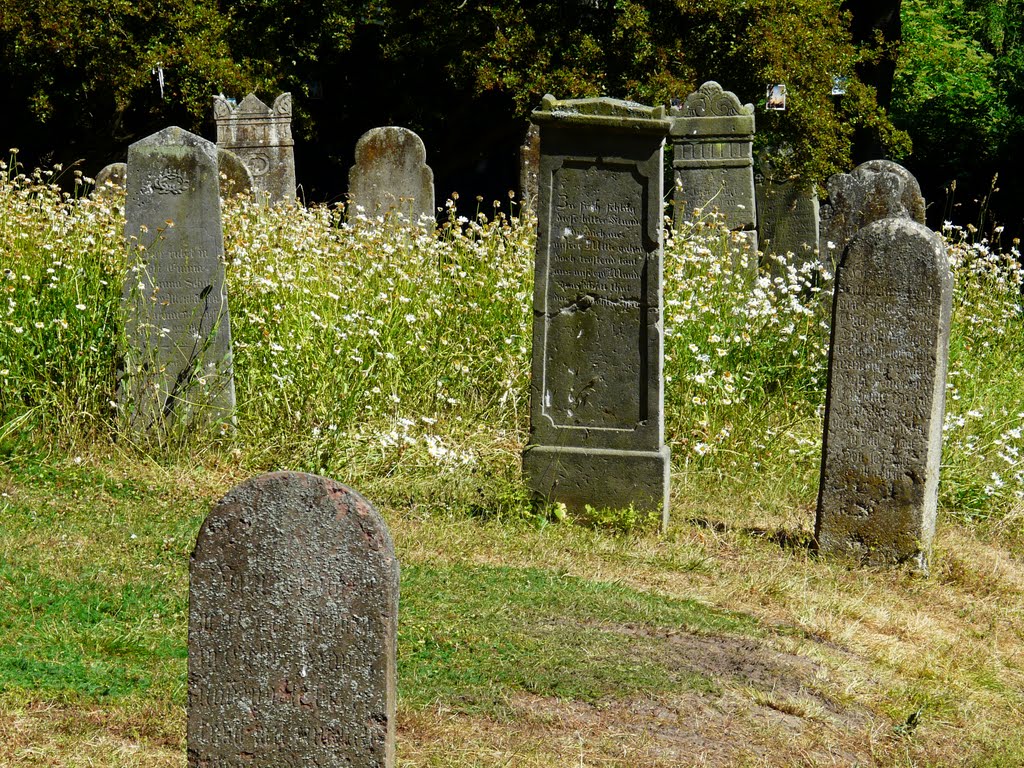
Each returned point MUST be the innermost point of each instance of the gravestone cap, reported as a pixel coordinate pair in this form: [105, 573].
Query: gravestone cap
[711, 111]
[608, 113]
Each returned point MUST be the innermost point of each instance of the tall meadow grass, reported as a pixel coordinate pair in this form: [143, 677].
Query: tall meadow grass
[398, 359]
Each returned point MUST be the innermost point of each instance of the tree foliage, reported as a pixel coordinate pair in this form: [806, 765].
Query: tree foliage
[959, 88]
[85, 67]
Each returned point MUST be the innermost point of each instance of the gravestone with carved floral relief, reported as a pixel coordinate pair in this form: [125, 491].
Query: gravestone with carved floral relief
[262, 137]
[597, 410]
[292, 632]
[886, 388]
[178, 364]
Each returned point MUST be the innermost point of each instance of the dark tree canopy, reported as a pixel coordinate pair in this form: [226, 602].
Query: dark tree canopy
[80, 78]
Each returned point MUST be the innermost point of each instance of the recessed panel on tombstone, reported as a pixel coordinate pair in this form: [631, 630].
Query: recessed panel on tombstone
[595, 348]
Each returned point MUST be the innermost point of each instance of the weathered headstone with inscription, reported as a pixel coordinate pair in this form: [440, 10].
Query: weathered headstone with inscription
[235, 178]
[391, 175]
[262, 137]
[877, 189]
[529, 166]
[178, 364]
[878, 493]
[596, 411]
[292, 635]
[111, 177]
[787, 218]
[712, 139]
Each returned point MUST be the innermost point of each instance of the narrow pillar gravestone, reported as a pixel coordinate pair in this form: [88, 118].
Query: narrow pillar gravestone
[262, 137]
[877, 189]
[178, 365]
[878, 492]
[529, 167]
[712, 140]
[596, 410]
[293, 613]
[390, 176]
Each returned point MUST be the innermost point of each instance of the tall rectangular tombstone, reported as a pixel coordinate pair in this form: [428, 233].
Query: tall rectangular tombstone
[878, 492]
[596, 411]
[178, 363]
[293, 615]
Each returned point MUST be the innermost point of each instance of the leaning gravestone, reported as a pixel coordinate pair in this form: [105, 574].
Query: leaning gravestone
[178, 363]
[235, 178]
[886, 392]
[293, 613]
[391, 175]
[877, 189]
[110, 178]
[262, 137]
[712, 139]
[596, 411]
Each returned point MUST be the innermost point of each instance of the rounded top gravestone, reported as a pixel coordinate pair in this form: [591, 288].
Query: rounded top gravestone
[888, 355]
[293, 604]
[877, 189]
[391, 174]
[235, 178]
[111, 178]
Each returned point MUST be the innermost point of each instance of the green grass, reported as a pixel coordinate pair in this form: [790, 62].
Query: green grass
[398, 362]
[470, 635]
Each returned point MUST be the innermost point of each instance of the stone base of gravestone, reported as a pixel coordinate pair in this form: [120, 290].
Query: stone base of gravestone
[293, 608]
[602, 479]
[886, 388]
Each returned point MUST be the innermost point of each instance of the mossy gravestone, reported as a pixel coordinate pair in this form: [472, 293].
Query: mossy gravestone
[886, 393]
[178, 365]
[877, 189]
[596, 411]
[391, 176]
[293, 606]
